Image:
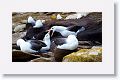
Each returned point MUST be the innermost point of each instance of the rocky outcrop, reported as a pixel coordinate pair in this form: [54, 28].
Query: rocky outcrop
[41, 59]
[92, 36]
[16, 36]
[19, 56]
[85, 55]
[19, 28]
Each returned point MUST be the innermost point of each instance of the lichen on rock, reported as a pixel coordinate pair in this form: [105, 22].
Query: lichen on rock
[85, 55]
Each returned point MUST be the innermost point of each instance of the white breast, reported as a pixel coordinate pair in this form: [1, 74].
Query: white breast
[48, 45]
[26, 47]
[71, 44]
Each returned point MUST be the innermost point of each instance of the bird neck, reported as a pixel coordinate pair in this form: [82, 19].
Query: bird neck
[47, 41]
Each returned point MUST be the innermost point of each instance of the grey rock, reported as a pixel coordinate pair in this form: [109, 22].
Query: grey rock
[19, 28]
[41, 59]
[17, 36]
[19, 56]
[24, 21]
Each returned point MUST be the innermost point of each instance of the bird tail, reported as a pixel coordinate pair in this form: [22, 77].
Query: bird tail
[80, 30]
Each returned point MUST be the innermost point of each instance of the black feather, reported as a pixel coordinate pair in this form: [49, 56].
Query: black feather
[37, 45]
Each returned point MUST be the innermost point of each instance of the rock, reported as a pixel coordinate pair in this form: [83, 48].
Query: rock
[77, 15]
[14, 46]
[19, 56]
[24, 21]
[60, 53]
[46, 55]
[17, 36]
[41, 59]
[96, 16]
[19, 28]
[53, 17]
[14, 13]
[85, 55]
[14, 25]
[85, 43]
[49, 13]
[84, 47]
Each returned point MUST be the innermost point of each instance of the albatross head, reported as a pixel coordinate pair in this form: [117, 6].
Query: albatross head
[57, 29]
[38, 24]
[31, 20]
[20, 41]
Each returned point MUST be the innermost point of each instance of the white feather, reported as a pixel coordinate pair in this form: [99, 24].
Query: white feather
[31, 20]
[25, 46]
[38, 24]
[47, 41]
[71, 43]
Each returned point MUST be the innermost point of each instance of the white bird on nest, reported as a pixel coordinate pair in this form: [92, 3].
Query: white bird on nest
[66, 31]
[71, 43]
[34, 46]
[38, 24]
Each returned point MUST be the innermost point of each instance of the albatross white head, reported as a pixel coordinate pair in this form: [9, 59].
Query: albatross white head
[38, 24]
[25, 46]
[57, 29]
[20, 41]
[31, 20]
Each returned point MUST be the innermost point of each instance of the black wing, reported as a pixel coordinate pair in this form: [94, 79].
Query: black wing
[32, 32]
[37, 45]
[59, 41]
[74, 28]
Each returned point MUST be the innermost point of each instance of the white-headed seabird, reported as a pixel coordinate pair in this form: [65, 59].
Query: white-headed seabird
[31, 20]
[34, 31]
[63, 46]
[30, 46]
[66, 31]
[47, 41]
[38, 24]
[71, 43]
[35, 46]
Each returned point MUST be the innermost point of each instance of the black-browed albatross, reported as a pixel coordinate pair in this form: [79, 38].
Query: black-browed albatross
[34, 46]
[66, 31]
